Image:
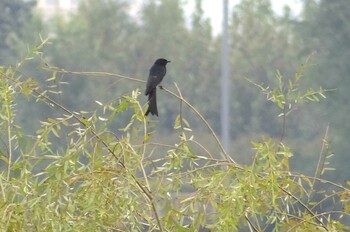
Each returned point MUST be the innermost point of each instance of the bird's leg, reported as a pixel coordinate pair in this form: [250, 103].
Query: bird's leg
[160, 86]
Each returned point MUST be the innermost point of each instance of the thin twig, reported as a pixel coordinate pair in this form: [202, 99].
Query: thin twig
[321, 161]
[181, 117]
[95, 74]
[304, 206]
[284, 118]
[9, 136]
[226, 156]
[250, 224]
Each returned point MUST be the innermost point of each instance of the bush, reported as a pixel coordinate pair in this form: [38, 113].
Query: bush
[75, 173]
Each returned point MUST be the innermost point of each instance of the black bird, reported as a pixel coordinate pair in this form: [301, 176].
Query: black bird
[156, 74]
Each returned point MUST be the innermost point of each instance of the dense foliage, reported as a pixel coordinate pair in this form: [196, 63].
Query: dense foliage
[76, 173]
[78, 154]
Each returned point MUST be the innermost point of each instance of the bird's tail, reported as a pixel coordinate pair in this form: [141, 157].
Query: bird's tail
[152, 103]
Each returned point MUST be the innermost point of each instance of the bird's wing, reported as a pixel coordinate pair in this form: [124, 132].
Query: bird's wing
[157, 70]
[156, 75]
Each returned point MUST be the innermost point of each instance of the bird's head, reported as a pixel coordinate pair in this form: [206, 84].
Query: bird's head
[161, 61]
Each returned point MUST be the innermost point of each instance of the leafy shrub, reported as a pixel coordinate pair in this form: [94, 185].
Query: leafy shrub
[76, 174]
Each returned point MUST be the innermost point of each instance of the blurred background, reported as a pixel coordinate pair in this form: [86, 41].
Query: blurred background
[126, 36]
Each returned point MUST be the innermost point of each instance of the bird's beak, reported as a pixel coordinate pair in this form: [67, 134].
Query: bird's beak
[168, 61]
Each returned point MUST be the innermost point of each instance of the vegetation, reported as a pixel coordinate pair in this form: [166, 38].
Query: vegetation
[100, 179]
[13, 19]
[78, 154]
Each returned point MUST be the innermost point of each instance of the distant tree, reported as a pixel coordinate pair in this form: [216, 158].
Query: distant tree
[261, 42]
[195, 67]
[325, 29]
[202, 66]
[96, 37]
[13, 20]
